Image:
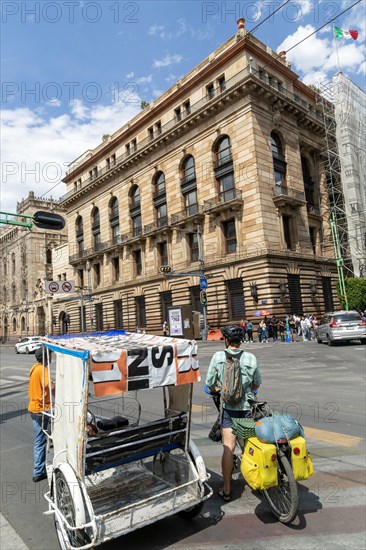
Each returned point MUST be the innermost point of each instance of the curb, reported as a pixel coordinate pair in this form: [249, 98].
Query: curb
[9, 538]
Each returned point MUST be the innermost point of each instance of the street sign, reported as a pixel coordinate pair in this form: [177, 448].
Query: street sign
[203, 283]
[59, 287]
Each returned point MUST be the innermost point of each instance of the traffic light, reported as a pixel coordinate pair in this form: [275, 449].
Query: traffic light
[203, 297]
[165, 269]
[48, 220]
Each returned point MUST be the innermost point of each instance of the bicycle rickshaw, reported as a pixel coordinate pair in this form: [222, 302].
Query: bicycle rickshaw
[118, 461]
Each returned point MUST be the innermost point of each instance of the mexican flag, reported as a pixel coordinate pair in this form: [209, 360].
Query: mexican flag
[341, 33]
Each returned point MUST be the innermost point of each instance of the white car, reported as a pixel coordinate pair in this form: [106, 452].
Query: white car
[28, 345]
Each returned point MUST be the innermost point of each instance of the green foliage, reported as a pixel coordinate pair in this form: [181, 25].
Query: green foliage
[356, 293]
[144, 104]
[106, 137]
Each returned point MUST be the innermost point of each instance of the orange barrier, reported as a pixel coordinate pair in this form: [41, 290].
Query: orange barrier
[214, 335]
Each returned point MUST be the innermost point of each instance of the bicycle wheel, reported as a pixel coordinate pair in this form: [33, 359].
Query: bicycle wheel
[283, 499]
[70, 503]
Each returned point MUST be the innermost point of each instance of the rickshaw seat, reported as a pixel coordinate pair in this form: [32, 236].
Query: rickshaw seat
[135, 442]
[107, 424]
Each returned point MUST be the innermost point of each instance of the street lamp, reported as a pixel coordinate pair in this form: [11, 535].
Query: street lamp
[313, 290]
[254, 291]
[283, 288]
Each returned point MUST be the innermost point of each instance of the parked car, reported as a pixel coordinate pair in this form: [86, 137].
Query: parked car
[28, 345]
[341, 326]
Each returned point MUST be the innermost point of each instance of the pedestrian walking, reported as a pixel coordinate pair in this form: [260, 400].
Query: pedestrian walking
[165, 329]
[264, 333]
[250, 332]
[39, 402]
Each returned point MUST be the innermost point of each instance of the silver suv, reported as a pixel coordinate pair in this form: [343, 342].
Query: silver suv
[341, 326]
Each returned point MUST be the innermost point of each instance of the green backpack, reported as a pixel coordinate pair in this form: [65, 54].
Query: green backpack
[232, 391]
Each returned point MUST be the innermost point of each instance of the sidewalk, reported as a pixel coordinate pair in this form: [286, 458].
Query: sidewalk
[9, 539]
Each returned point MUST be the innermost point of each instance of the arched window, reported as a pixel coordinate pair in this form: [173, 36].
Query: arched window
[223, 151]
[135, 196]
[189, 185]
[79, 230]
[13, 293]
[23, 324]
[114, 219]
[159, 195]
[14, 325]
[135, 210]
[13, 262]
[159, 184]
[224, 169]
[48, 256]
[279, 163]
[95, 224]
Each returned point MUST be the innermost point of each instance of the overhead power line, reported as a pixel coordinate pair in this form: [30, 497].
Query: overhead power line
[322, 27]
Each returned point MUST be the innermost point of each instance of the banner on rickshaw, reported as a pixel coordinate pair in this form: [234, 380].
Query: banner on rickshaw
[141, 368]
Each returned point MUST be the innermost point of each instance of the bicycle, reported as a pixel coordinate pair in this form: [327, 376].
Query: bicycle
[286, 449]
[282, 499]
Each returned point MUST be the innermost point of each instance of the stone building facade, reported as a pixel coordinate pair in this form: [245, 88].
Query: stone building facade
[26, 261]
[232, 148]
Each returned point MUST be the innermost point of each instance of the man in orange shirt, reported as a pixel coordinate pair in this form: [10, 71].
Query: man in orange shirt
[39, 400]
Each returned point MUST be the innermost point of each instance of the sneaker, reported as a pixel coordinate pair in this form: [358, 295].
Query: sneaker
[39, 478]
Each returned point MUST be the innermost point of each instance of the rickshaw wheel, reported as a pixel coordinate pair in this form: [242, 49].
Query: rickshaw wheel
[70, 503]
[192, 512]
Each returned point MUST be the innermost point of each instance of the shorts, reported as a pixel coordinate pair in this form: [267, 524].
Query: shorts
[227, 415]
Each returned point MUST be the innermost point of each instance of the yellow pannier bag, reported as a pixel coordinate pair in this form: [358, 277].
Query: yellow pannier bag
[302, 464]
[259, 464]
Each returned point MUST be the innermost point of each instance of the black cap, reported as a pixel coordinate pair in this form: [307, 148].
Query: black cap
[39, 354]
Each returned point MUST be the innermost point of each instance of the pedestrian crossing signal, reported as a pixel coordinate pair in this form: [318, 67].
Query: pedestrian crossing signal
[165, 269]
[203, 297]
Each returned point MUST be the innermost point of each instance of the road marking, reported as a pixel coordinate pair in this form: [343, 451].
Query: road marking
[343, 440]
[332, 437]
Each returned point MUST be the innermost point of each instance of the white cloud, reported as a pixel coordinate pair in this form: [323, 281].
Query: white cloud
[55, 102]
[36, 148]
[362, 68]
[309, 55]
[315, 77]
[157, 93]
[175, 31]
[171, 78]
[167, 60]
[349, 56]
[144, 79]
[130, 75]
[155, 30]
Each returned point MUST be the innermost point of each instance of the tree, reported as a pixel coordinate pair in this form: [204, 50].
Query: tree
[356, 293]
[106, 137]
[144, 104]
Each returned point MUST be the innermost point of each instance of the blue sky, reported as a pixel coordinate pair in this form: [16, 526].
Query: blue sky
[75, 70]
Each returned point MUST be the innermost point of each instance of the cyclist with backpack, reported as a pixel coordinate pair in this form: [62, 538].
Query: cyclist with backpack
[235, 374]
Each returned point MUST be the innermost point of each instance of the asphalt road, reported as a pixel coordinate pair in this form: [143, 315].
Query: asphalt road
[323, 387]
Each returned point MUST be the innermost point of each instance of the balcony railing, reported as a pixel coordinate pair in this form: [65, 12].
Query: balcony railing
[157, 226]
[313, 209]
[287, 195]
[190, 212]
[228, 199]
[279, 190]
[201, 105]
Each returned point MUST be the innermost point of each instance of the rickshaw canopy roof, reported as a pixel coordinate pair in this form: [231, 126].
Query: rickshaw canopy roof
[122, 362]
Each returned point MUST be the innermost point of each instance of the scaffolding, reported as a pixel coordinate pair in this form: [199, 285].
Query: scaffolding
[344, 111]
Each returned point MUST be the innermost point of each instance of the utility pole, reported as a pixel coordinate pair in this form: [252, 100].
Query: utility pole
[91, 316]
[202, 277]
[339, 260]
